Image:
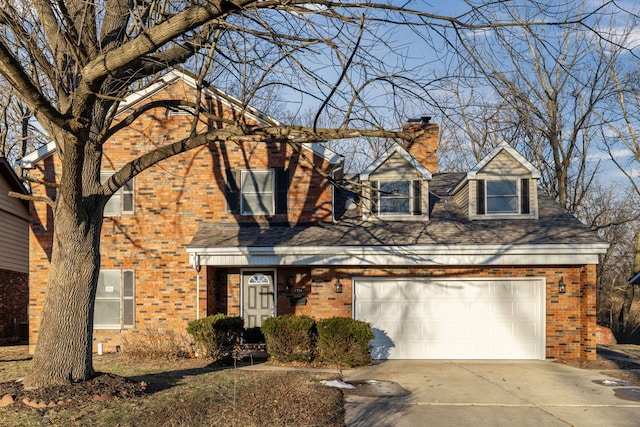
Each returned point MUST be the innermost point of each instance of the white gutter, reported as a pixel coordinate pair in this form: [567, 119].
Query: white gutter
[560, 254]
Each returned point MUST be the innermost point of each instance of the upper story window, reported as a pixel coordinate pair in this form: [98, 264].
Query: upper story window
[115, 300]
[394, 197]
[506, 196]
[121, 202]
[257, 192]
[502, 196]
[398, 197]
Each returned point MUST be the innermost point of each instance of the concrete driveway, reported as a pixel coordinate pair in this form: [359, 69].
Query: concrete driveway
[455, 393]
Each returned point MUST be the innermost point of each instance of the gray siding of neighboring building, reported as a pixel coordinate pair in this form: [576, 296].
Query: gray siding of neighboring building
[14, 223]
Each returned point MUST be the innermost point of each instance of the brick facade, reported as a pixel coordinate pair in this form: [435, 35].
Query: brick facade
[171, 199]
[175, 196]
[569, 316]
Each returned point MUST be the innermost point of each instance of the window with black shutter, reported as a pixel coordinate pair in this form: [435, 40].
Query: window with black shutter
[417, 198]
[524, 196]
[480, 210]
[282, 190]
[374, 196]
[231, 191]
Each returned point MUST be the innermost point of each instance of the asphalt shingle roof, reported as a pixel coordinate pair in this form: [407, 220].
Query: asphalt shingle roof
[447, 226]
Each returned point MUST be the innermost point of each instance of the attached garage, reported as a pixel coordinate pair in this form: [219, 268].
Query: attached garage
[422, 318]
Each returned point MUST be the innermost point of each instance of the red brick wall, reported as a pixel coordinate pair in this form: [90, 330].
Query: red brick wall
[171, 199]
[424, 148]
[570, 317]
[14, 299]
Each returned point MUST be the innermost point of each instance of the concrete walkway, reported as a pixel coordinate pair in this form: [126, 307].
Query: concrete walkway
[455, 393]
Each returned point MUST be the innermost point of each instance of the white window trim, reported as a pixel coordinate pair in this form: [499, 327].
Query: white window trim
[518, 195]
[122, 298]
[411, 196]
[272, 208]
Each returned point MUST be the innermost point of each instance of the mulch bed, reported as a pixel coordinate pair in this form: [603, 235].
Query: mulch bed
[100, 388]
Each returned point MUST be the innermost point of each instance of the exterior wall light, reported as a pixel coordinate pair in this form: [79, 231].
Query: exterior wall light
[338, 286]
[562, 287]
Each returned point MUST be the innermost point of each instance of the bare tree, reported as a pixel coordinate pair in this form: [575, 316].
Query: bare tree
[615, 215]
[73, 61]
[543, 89]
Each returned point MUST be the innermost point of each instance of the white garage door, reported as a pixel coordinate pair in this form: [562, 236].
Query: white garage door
[453, 319]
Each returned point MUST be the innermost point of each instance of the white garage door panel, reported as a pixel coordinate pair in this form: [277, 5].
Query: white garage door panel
[453, 319]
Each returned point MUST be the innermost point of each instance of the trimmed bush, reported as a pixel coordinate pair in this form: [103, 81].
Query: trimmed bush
[290, 338]
[344, 341]
[217, 336]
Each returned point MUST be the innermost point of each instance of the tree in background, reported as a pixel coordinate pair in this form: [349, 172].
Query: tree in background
[545, 90]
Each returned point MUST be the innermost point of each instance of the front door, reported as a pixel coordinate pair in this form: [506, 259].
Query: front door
[258, 297]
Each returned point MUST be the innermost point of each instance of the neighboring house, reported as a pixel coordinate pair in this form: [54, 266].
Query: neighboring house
[14, 257]
[473, 265]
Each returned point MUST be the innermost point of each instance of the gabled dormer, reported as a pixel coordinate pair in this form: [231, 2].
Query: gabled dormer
[502, 185]
[396, 187]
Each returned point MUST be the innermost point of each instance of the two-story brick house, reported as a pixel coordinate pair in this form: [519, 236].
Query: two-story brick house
[443, 265]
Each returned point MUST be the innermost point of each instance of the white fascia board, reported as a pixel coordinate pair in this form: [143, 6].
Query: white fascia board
[460, 185]
[569, 254]
[326, 153]
[29, 161]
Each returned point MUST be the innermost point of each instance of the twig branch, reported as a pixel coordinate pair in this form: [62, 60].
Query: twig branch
[31, 198]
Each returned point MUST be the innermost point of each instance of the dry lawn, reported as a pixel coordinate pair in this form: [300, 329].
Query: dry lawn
[173, 392]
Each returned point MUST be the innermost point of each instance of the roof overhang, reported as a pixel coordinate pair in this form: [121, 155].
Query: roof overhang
[428, 255]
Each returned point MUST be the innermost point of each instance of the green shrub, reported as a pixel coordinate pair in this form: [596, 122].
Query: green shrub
[344, 341]
[216, 336]
[290, 338]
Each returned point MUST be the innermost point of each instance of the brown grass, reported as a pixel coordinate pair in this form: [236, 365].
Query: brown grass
[188, 392]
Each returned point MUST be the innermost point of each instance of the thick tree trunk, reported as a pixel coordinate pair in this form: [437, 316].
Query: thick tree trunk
[64, 349]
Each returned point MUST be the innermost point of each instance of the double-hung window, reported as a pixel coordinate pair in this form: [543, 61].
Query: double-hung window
[115, 300]
[121, 202]
[502, 196]
[257, 192]
[394, 197]
[505, 196]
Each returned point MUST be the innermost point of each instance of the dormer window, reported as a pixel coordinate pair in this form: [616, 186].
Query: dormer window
[394, 197]
[401, 197]
[397, 187]
[502, 197]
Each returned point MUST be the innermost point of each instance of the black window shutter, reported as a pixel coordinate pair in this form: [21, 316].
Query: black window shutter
[417, 197]
[480, 197]
[524, 196]
[374, 196]
[282, 190]
[231, 191]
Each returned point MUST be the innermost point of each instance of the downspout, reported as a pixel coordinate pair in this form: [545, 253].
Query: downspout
[197, 267]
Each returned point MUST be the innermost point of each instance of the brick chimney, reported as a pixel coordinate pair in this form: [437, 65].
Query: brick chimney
[424, 148]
